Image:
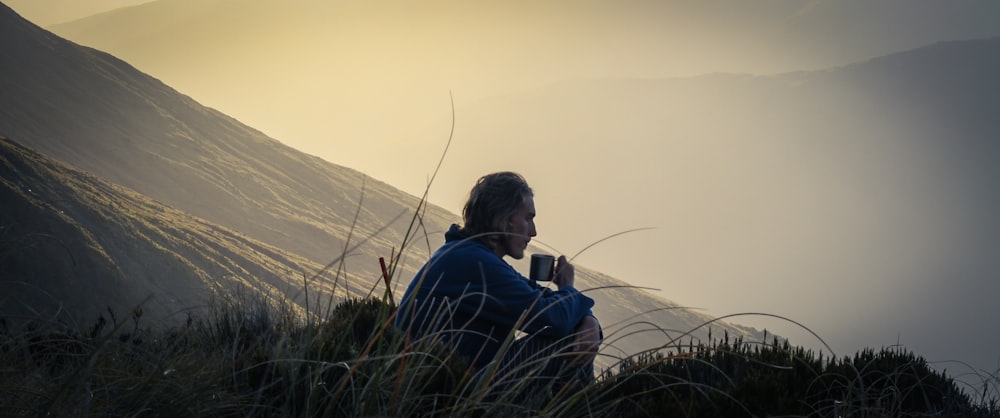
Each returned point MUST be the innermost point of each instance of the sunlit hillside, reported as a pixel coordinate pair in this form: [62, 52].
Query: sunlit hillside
[75, 247]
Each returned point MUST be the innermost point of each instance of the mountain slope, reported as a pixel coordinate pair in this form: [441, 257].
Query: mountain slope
[73, 245]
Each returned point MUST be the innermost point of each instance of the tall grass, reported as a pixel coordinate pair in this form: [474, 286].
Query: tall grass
[244, 356]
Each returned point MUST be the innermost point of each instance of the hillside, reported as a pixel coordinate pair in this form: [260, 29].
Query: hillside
[99, 114]
[74, 245]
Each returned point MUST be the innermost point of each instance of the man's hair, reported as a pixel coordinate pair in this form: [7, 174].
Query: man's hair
[492, 201]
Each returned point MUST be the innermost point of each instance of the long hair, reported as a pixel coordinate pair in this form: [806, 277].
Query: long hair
[492, 202]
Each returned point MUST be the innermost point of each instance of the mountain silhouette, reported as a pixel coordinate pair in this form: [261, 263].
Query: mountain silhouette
[216, 176]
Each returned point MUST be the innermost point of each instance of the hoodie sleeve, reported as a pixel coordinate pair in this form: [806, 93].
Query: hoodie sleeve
[497, 292]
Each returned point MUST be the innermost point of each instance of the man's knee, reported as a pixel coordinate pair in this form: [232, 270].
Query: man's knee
[587, 340]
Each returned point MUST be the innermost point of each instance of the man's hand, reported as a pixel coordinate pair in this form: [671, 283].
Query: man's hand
[564, 273]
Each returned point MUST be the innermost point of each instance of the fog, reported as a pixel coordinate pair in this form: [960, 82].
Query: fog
[603, 106]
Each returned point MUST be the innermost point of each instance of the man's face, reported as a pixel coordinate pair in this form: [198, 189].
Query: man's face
[520, 230]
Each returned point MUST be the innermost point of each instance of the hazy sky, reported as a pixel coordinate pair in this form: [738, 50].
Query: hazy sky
[835, 238]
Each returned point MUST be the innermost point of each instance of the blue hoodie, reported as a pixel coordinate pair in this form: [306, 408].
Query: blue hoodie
[471, 298]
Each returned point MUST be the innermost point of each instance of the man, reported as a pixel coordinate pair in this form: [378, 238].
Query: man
[468, 296]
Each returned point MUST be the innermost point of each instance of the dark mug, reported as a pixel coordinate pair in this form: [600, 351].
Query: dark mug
[543, 267]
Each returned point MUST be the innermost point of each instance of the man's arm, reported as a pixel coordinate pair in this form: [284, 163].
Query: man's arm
[553, 313]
